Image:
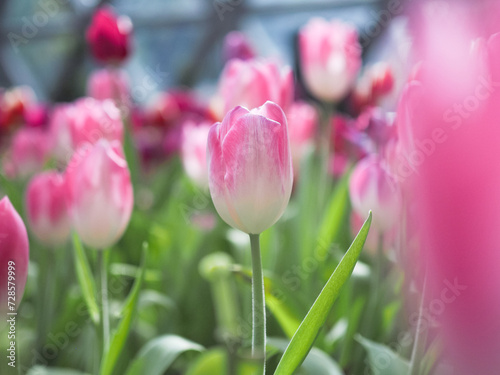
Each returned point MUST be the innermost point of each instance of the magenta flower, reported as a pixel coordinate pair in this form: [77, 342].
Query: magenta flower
[109, 36]
[330, 57]
[237, 46]
[47, 208]
[101, 197]
[14, 252]
[250, 167]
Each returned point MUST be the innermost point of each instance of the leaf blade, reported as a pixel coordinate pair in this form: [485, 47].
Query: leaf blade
[304, 337]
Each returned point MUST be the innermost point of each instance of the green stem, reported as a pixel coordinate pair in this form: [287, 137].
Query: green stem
[102, 259]
[420, 337]
[258, 304]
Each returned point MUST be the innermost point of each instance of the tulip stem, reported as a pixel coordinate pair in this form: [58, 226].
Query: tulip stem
[102, 257]
[258, 304]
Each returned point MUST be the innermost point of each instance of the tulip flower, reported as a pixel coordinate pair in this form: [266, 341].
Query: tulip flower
[27, 153]
[83, 122]
[194, 151]
[250, 167]
[253, 82]
[376, 82]
[330, 58]
[110, 84]
[250, 180]
[236, 46]
[302, 123]
[101, 197]
[47, 208]
[372, 187]
[109, 36]
[14, 256]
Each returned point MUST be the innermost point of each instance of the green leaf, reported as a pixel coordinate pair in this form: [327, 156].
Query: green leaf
[212, 362]
[85, 279]
[42, 370]
[304, 338]
[158, 354]
[119, 337]
[382, 359]
[317, 362]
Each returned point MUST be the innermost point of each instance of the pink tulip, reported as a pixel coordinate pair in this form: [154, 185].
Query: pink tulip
[194, 151]
[376, 82]
[250, 167]
[27, 153]
[109, 36]
[110, 84]
[14, 252]
[101, 196]
[302, 122]
[330, 57]
[449, 126]
[237, 46]
[13, 103]
[84, 122]
[253, 82]
[47, 208]
[372, 187]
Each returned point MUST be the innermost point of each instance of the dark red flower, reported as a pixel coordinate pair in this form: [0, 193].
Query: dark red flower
[109, 36]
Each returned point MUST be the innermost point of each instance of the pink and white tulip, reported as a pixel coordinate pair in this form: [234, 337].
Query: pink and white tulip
[330, 57]
[250, 167]
[371, 187]
[14, 251]
[84, 122]
[101, 197]
[252, 82]
[194, 151]
[47, 208]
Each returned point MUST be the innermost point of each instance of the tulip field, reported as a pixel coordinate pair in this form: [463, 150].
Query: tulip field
[331, 211]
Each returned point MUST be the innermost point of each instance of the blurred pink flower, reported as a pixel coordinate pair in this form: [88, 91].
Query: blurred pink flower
[47, 208]
[376, 82]
[302, 123]
[13, 104]
[448, 124]
[14, 252]
[237, 46]
[194, 151]
[330, 57]
[372, 187]
[253, 82]
[109, 36]
[110, 84]
[27, 153]
[250, 167]
[83, 122]
[101, 197]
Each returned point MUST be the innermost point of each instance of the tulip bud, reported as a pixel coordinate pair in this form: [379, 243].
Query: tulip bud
[194, 151]
[302, 122]
[371, 187]
[109, 36]
[236, 46]
[47, 208]
[83, 122]
[109, 84]
[330, 57]
[14, 252]
[27, 153]
[250, 167]
[253, 82]
[101, 197]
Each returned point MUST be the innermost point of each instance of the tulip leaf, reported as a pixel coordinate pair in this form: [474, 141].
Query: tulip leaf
[42, 370]
[382, 359]
[316, 363]
[85, 279]
[211, 362]
[158, 354]
[306, 334]
[119, 337]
